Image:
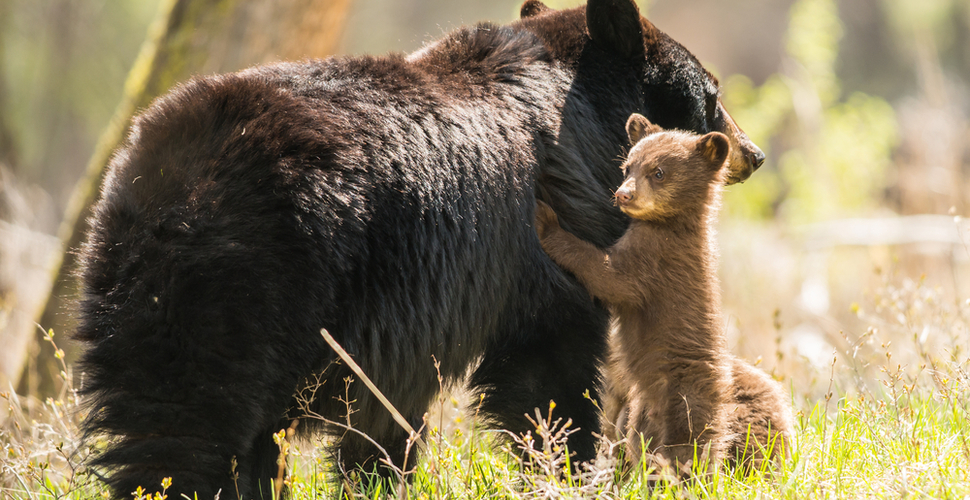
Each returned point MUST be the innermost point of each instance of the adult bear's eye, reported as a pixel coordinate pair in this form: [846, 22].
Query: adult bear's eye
[658, 174]
[711, 111]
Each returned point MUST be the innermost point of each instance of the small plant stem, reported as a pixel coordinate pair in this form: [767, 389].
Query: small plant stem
[373, 388]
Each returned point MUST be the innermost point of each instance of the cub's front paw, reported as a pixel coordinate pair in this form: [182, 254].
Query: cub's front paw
[546, 219]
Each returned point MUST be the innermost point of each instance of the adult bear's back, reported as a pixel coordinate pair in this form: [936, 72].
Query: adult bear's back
[363, 178]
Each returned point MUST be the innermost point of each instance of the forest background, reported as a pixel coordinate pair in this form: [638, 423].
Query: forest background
[848, 245]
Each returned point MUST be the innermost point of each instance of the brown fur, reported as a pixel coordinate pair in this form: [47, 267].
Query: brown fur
[670, 379]
[532, 8]
[759, 414]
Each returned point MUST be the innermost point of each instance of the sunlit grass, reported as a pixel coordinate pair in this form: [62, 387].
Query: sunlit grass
[895, 422]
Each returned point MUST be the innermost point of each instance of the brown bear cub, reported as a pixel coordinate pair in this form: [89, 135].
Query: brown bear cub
[671, 382]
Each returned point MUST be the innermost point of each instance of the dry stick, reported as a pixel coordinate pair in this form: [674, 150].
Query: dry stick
[373, 388]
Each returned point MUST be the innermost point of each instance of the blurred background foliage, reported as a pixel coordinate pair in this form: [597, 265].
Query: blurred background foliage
[862, 107]
[63, 65]
[831, 153]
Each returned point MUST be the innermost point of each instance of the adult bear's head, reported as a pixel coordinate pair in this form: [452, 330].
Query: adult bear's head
[676, 91]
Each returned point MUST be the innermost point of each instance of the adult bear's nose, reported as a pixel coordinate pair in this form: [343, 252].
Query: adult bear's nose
[757, 157]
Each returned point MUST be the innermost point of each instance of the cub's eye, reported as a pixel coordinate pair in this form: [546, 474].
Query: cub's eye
[658, 174]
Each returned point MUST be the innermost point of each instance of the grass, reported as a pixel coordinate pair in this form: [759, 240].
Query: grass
[894, 422]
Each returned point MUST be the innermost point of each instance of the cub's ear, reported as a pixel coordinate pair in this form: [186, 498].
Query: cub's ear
[532, 8]
[616, 25]
[638, 127]
[715, 147]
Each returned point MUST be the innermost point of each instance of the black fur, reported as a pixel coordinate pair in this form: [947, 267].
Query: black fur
[386, 199]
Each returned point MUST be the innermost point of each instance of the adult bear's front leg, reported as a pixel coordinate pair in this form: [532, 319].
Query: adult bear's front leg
[552, 355]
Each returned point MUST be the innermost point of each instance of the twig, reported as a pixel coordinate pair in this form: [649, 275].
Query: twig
[373, 388]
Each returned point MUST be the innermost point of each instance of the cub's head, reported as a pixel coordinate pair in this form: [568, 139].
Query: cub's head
[670, 172]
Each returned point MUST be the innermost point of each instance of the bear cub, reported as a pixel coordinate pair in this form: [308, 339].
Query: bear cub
[671, 382]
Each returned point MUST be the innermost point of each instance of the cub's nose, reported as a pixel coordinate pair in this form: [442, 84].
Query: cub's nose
[624, 195]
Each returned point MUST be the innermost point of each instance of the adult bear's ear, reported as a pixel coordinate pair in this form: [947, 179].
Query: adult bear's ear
[615, 24]
[532, 8]
[715, 147]
[638, 127]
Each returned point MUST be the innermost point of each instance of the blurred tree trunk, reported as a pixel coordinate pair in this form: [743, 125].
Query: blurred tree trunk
[8, 155]
[189, 37]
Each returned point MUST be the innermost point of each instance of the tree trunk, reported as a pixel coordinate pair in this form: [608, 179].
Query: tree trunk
[189, 37]
[8, 155]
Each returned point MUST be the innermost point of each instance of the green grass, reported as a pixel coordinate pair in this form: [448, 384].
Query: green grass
[849, 447]
[894, 422]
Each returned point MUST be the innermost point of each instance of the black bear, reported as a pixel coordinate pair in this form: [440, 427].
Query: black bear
[387, 199]
[671, 381]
